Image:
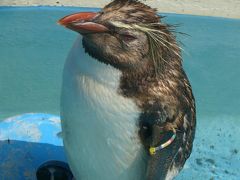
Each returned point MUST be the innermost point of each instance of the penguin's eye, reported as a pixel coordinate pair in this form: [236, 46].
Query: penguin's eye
[127, 37]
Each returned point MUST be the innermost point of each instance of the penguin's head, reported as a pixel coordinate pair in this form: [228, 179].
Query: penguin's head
[123, 34]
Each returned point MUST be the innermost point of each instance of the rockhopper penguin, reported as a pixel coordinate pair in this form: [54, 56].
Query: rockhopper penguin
[127, 108]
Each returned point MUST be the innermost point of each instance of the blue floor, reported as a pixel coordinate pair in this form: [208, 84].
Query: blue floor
[32, 53]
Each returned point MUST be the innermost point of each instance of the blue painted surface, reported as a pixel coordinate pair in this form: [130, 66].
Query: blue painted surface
[33, 50]
[26, 142]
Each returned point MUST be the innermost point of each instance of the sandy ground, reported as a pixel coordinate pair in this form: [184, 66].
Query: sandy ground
[221, 8]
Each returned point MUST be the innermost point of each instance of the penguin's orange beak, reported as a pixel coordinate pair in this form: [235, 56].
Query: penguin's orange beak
[83, 23]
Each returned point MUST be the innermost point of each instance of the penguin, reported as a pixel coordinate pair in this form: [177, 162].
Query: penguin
[127, 107]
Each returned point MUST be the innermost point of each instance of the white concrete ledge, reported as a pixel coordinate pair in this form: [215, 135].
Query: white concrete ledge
[221, 8]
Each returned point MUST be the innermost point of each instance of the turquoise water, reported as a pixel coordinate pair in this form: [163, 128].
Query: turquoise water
[33, 49]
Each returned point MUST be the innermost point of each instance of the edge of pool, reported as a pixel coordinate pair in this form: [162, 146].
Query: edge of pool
[64, 8]
[222, 8]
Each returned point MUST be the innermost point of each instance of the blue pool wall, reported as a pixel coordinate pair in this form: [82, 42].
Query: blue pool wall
[34, 47]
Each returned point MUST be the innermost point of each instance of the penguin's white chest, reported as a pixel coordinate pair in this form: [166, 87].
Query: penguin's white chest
[100, 127]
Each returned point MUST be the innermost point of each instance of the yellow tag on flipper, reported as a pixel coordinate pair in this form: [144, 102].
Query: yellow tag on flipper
[152, 150]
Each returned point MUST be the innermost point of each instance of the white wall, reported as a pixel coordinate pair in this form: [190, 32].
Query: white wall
[222, 8]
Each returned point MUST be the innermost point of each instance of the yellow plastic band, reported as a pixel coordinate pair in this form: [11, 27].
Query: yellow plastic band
[152, 150]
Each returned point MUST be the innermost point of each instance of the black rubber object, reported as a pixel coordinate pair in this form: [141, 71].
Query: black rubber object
[56, 170]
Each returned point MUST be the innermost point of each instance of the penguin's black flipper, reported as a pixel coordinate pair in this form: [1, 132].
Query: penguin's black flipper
[153, 134]
[164, 161]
